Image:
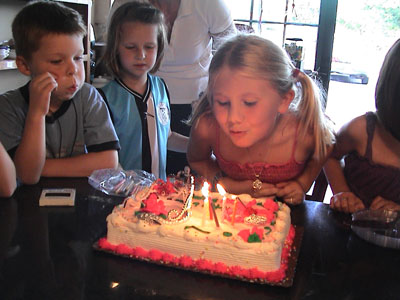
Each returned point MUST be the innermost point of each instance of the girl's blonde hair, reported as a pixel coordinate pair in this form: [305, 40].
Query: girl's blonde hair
[263, 59]
[133, 12]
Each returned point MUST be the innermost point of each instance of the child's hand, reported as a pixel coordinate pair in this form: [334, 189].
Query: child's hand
[267, 190]
[346, 202]
[382, 203]
[291, 192]
[40, 90]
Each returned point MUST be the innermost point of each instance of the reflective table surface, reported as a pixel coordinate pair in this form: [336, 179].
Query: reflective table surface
[47, 253]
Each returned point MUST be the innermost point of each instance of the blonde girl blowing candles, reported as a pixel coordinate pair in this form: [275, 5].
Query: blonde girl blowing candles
[260, 128]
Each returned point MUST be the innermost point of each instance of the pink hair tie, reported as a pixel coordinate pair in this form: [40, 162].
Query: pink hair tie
[295, 73]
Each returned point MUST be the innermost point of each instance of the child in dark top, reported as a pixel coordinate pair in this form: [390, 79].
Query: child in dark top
[56, 125]
[370, 145]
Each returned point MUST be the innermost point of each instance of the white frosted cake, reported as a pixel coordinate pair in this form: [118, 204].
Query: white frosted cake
[236, 236]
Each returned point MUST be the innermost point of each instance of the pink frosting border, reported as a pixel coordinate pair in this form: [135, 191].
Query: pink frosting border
[218, 268]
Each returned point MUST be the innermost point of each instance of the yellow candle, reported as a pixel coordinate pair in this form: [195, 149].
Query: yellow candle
[206, 209]
[222, 192]
[234, 210]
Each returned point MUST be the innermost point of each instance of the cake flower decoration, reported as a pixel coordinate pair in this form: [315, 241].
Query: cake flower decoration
[164, 188]
[153, 206]
[255, 236]
[154, 211]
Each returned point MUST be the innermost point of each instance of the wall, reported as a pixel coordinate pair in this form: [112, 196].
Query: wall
[9, 79]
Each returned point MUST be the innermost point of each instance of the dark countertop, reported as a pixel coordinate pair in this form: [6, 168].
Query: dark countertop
[47, 253]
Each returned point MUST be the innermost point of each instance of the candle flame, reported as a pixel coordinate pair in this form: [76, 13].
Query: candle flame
[221, 189]
[204, 189]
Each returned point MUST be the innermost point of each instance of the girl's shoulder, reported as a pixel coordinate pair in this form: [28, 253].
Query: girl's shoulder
[355, 128]
[353, 136]
[205, 125]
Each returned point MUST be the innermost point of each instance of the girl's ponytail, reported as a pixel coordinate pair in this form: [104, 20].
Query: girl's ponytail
[309, 108]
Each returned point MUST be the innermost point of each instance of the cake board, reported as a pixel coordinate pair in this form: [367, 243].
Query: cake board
[287, 281]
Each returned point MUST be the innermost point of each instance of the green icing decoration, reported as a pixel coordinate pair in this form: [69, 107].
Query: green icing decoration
[197, 228]
[195, 203]
[227, 234]
[254, 238]
[217, 206]
[163, 216]
[259, 204]
[198, 197]
[273, 222]
[268, 229]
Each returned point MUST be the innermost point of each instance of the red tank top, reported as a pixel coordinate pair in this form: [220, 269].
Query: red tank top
[270, 173]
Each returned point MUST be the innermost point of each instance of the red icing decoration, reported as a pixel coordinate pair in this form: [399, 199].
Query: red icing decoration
[154, 206]
[270, 204]
[124, 249]
[168, 258]
[155, 254]
[164, 188]
[186, 261]
[203, 264]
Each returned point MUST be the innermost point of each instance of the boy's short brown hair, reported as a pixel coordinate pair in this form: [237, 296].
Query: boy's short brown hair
[40, 18]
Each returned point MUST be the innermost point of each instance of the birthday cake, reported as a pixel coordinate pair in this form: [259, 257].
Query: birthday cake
[216, 233]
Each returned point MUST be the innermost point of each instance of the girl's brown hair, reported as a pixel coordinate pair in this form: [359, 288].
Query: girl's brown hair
[133, 12]
[387, 92]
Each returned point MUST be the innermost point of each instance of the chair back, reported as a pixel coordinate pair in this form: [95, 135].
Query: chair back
[319, 189]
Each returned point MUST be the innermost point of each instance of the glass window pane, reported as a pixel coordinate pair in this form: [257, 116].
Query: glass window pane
[272, 10]
[309, 36]
[272, 32]
[360, 43]
[305, 11]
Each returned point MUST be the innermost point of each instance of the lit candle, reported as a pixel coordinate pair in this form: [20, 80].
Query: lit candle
[234, 210]
[206, 209]
[222, 192]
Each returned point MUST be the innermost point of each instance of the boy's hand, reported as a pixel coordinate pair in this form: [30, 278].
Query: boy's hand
[40, 90]
[291, 192]
[346, 202]
[382, 203]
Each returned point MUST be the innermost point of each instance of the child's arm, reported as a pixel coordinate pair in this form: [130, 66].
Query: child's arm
[294, 191]
[8, 180]
[343, 199]
[348, 140]
[30, 155]
[81, 165]
[177, 142]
